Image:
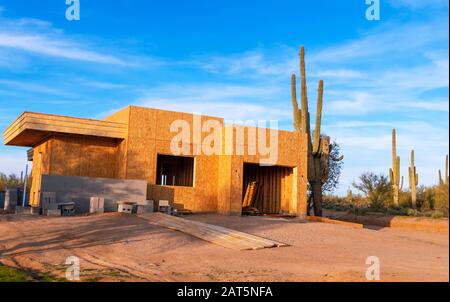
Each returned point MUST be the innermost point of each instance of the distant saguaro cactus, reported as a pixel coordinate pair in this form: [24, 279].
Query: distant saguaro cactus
[349, 195]
[394, 172]
[413, 181]
[446, 180]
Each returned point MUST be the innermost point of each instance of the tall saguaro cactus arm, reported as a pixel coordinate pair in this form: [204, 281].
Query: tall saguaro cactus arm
[413, 181]
[297, 113]
[304, 96]
[316, 144]
[446, 170]
[445, 180]
[394, 172]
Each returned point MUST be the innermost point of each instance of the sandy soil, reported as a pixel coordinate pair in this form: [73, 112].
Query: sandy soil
[119, 247]
[397, 222]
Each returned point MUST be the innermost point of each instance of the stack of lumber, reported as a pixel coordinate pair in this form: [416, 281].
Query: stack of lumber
[215, 234]
[248, 205]
[250, 194]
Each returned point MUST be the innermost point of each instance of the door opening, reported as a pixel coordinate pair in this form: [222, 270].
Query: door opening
[267, 188]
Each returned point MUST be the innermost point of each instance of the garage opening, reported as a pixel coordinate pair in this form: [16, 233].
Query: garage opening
[267, 189]
[175, 171]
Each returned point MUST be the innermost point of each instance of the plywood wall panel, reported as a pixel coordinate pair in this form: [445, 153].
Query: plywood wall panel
[218, 179]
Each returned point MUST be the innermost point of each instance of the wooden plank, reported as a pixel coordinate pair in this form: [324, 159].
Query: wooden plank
[215, 234]
[205, 234]
[250, 194]
[268, 242]
[202, 232]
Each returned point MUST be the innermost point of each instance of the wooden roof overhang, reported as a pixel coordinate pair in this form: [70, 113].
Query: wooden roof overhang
[31, 128]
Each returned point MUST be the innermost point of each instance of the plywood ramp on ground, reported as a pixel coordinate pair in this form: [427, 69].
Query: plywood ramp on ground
[212, 233]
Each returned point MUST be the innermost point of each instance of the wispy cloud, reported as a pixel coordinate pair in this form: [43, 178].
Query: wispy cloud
[102, 84]
[387, 42]
[367, 146]
[12, 161]
[418, 4]
[32, 87]
[251, 64]
[40, 37]
[234, 102]
[58, 48]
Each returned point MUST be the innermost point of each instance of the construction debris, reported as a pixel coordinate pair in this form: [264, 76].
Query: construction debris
[250, 194]
[67, 208]
[224, 237]
[165, 207]
[248, 205]
[97, 205]
[125, 207]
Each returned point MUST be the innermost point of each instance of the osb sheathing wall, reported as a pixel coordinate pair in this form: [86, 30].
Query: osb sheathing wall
[291, 153]
[217, 179]
[75, 156]
[149, 135]
[122, 116]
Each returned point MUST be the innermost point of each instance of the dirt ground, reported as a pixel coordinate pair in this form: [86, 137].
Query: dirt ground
[120, 247]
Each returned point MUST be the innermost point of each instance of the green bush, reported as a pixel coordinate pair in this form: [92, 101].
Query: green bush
[431, 201]
[376, 188]
[440, 202]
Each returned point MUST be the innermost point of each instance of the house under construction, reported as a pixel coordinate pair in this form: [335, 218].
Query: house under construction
[136, 143]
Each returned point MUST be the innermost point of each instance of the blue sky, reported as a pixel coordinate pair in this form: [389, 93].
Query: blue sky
[234, 59]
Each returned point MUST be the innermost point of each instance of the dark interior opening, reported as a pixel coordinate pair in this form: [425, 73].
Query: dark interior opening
[175, 171]
[273, 191]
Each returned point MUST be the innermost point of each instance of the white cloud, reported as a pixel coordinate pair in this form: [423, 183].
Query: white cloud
[44, 45]
[102, 84]
[367, 147]
[13, 162]
[252, 64]
[224, 100]
[338, 73]
[40, 37]
[32, 87]
[431, 105]
[387, 42]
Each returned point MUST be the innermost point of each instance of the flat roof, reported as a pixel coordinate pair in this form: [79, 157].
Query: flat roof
[30, 128]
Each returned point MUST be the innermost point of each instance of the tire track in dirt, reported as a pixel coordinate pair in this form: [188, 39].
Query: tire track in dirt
[131, 270]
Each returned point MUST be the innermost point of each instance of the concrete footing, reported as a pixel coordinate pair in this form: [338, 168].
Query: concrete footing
[52, 212]
[23, 210]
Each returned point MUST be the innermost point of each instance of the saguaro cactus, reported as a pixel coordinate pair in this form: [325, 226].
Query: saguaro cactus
[319, 147]
[349, 195]
[413, 181]
[394, 172]
[446, 180]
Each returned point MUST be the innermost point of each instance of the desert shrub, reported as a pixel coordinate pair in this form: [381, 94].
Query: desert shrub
[377, 197]
[397, 211]
[404, 199]
[334, 169]
[440, 201]
[428, 198]
[376, 188]
[8, 181]
[11, 181]
[337, 203]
